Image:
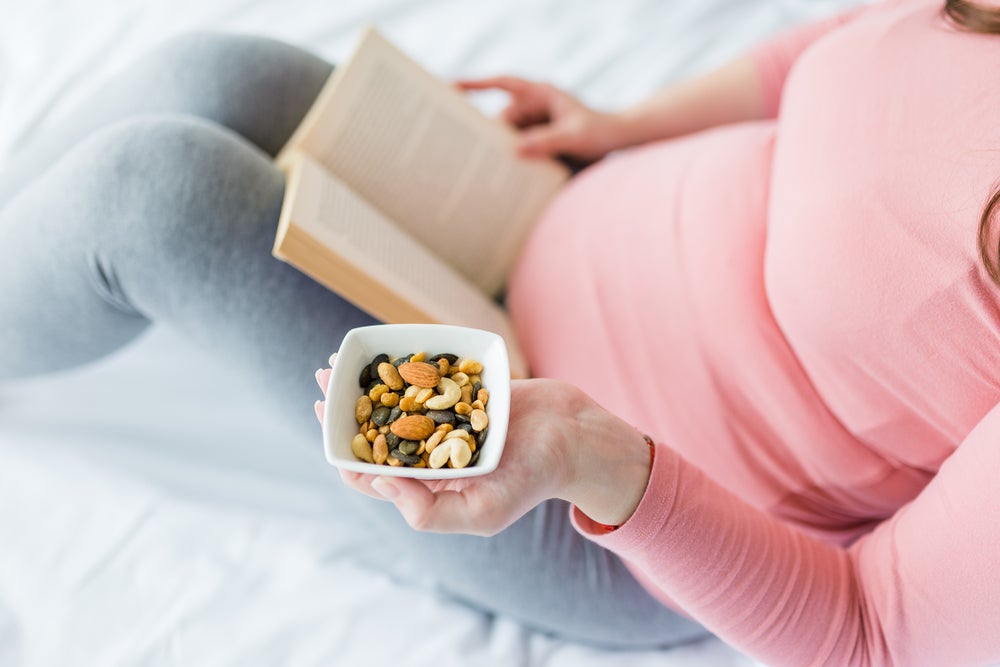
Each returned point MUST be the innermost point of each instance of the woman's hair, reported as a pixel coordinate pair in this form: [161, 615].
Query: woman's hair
[977, 18]
[972, 16]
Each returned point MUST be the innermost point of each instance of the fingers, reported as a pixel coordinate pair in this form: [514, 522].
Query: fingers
[323, 378]
[542, 141]
[444, 511]
[511, 84]
[361, 482]
[525, 115]
[523, 106]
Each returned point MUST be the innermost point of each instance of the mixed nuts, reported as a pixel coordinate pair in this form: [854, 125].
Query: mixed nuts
[420, 411]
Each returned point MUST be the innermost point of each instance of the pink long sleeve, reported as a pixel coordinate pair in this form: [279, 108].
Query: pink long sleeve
[922, 589]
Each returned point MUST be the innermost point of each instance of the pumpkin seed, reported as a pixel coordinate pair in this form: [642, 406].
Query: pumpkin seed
[381, 415]
[365, 376]
[409, 446]
[441, 416]
[404, 458]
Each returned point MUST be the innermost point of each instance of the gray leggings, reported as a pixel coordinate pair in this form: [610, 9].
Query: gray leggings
[157, 201]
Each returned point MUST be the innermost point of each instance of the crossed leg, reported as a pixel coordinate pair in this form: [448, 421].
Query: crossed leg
[158, 202]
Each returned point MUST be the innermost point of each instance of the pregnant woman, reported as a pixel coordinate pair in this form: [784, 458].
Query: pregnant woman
[803, 313]
[790, 290]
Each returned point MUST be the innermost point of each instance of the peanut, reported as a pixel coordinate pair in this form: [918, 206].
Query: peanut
[479, 420]
[461, 454]
[390, 376]
[440, 456]
[380, 450]
[470, 366]
[361, 448]
[433, 441]
[363, 409]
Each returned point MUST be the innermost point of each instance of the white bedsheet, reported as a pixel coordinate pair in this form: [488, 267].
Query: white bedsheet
[146, 516]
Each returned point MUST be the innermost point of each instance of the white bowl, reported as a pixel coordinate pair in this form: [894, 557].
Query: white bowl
[362, 344]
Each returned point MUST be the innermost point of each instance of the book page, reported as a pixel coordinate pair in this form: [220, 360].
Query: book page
[360, 254]
[417, 150]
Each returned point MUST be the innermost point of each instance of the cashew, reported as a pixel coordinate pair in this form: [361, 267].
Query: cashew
[440, 456]
[450, 393]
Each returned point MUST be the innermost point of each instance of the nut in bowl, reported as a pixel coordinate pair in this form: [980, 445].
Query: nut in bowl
[433, 392]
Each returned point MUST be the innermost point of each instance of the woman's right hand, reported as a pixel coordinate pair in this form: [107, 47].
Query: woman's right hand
[553, 122]
[560, 444]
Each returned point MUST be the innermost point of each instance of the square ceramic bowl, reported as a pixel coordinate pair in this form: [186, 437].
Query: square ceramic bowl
[362, 344]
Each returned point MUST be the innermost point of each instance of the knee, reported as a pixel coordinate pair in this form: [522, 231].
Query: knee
[256, 86]
[200, 62]
[179, 182]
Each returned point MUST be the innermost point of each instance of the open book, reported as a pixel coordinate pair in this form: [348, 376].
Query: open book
[406, 199]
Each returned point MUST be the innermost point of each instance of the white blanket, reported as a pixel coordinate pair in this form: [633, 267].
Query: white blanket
[147, 518]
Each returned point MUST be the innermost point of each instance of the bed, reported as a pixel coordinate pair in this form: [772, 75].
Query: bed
[149, 515]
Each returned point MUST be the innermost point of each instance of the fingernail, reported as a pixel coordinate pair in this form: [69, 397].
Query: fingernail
[318, 409]
[333, 358]
[385, 488]
[323, 378]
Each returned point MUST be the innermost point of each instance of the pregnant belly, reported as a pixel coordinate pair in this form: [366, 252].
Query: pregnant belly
[643, 285]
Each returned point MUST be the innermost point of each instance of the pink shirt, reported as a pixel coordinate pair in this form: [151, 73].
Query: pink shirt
[796, 311]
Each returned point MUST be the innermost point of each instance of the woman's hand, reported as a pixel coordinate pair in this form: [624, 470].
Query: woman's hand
[560, 444]
[553, 122]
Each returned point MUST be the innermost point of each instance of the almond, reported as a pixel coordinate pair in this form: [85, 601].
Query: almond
[420, 373]
[413, 427]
